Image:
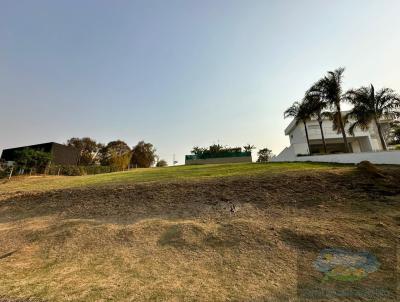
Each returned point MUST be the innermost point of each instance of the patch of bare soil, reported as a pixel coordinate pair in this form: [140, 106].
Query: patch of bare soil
[227, 239]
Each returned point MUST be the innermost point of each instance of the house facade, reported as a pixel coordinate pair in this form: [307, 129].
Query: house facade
[362, 141]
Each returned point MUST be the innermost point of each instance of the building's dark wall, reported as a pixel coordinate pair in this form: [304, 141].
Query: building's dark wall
[62, 155]
[10, 154]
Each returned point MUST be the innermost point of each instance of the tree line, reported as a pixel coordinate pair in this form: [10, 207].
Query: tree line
[325, 97]
[116, 153]
[93, 158]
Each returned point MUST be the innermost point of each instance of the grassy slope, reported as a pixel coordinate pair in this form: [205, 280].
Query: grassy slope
[147, 235]
[40, 183]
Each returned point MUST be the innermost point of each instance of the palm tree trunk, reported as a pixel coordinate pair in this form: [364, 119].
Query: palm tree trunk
[346, 145]
[380, 134]
[308, 141]
[322, 134]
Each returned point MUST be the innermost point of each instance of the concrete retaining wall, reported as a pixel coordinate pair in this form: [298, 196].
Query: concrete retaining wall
[384, 157]
[221, 160]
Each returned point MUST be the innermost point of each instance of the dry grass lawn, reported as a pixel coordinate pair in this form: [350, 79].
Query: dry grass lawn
[188, 235]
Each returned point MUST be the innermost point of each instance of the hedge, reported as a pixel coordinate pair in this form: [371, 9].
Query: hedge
[79, 170]
[220, 154]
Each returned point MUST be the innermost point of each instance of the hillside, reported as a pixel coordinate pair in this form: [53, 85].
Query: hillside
[191, 233]
[178, 173]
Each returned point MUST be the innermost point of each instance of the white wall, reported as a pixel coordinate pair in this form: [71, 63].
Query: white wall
[298, 140]
[287, 153]
[384, 157]
[297, 135]
[355, 145]
[365, 144]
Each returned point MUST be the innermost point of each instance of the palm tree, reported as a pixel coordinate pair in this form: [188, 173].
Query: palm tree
[372, 106]
[316, 106]
[300, 112]
[330, 88]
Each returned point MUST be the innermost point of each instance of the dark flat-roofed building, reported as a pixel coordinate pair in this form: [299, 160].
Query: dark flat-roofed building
[61, 154]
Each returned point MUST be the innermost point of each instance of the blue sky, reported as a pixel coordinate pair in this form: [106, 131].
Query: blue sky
[181, 73]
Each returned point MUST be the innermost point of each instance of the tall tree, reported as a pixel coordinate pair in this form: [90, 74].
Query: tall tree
[88, 149]
[316, 106]
[371, 106]
[116, 153]
[300, 112]
[330, 88]
[143, 155]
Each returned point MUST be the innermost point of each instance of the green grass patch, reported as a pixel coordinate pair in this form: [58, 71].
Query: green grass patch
[195, 172]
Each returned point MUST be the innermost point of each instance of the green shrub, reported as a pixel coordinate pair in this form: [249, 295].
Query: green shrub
[80, 170]
[30, 159]
[3, 174]
[90, 170]
[65, 170]
[218, 151]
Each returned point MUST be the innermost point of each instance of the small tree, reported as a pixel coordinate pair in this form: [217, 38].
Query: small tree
[264, 155]
[3, 169]
[248, 148]
[88, 149]
[120, 161]
[32, 159]
[162, 163]
[143, 155]
[216, 148]
[198, 150]
[394, 133]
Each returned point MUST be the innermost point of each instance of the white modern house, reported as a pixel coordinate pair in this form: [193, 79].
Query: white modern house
[360, 145]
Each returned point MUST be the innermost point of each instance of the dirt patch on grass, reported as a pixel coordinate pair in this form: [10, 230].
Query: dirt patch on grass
[181, 241]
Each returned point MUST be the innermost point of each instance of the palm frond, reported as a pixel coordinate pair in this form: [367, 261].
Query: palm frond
[352, 128]
[314, 103]
[369, 105]
[335, 118]
[292, 111]
[299, 111]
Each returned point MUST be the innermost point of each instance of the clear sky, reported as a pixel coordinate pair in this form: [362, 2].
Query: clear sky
[181, 73]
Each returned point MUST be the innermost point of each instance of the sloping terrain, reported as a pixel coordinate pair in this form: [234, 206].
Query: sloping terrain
[235, 235]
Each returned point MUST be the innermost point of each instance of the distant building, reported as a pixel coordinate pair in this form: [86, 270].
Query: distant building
[362, 141]
[220, 158]
[61, 154]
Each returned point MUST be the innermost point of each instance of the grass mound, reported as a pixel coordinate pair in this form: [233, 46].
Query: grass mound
[367, 168]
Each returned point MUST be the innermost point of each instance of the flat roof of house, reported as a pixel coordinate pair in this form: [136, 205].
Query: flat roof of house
[35, 145]
[293, 123]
